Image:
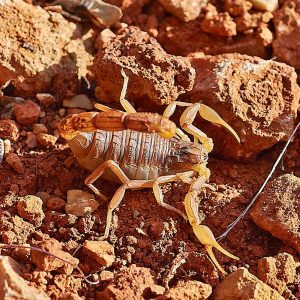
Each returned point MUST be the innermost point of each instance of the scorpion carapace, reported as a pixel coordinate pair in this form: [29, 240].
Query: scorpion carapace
[146, 159]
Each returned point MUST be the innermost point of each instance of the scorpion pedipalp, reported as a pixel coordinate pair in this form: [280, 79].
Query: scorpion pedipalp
[202, 232]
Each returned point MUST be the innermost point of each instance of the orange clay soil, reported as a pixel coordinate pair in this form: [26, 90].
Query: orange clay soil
[153, 252]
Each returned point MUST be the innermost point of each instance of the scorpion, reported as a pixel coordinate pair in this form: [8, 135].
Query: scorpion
[146, 150]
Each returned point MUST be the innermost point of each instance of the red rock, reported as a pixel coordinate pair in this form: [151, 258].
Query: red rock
[189, 290]
[132, 283]
[220, 24]
[251, 21]
[49, 263]
[47, 48]
[15, 162]
[258, 98]
[55, 203]
[39, 128]
[286, 46]
[151, 71]
[30, 208]
[278, 271]
[27, 113]
[185, 10]
[46, 140]
[277, 209]
[100, 251]
[243, 285]
[30, 140]
[13, 286]
[188, 38]
[9, 130]
[237, 7]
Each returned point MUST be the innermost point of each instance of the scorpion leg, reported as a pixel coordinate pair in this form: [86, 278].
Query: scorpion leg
[125, 103]
[185, 177]
[118, 197]
[203, 233]
[99, 171]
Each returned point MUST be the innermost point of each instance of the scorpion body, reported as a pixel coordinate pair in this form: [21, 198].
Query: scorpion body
[140, 151]
[141, 155]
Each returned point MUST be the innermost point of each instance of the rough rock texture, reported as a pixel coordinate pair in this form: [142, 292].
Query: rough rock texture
[219, 24]
[130, 8]
[36, 44]
[242, 285]
[13, 286]
[277, 271]
[237, 7]
[286, 45]
[50, 263]
[30, 208]
[258, 98]
[134, 283]
[189, 290]
[100, 251]
[151, 71]
[277, 210]
[187, 38]
[186, 10]
[15, 162]
[9, 130]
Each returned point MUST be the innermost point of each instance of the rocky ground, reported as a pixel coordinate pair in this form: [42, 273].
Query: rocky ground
[239, 57]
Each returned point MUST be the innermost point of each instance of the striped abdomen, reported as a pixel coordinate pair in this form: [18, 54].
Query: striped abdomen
[140, 155]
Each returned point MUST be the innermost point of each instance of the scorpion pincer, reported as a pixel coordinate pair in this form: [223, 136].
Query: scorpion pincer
[144, 150]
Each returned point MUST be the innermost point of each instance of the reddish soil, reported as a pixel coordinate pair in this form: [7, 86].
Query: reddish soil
[155, 253]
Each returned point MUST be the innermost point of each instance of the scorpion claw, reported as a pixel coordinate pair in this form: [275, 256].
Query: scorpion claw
[206, 237]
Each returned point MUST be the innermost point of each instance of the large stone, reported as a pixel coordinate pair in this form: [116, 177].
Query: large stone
[152, 72]
[278, 271]
[242, 285]
[35, 45]
[277, 209]
[13, 286]
[286, 45]
[258, 98]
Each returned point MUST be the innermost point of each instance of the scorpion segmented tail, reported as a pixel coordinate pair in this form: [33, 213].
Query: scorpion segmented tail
[113, 120]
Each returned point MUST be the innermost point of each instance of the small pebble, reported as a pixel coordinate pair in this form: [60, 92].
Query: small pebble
[80, 203]
[46, 140]
[27, 113]
[31, 208]
[9, 130]
[14, 161]
[78, 101]
[39, 128]
[45, 99]
[100, 251]
[30, 140]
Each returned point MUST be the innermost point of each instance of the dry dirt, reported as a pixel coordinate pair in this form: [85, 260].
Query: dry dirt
[152, 252]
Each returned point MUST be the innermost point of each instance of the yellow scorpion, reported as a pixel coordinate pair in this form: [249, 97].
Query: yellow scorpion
[146, 150]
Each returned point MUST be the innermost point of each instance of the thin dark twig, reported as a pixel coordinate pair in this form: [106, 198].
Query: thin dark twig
[242, 215]
[6, 246]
